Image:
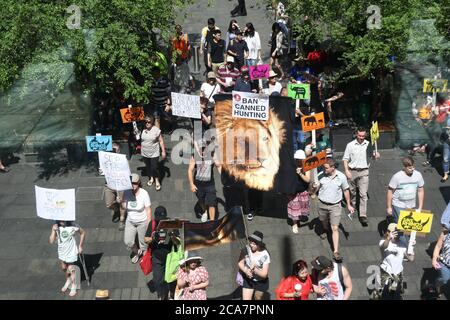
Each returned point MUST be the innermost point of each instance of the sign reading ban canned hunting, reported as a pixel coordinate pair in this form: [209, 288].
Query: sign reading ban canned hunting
[250, 106]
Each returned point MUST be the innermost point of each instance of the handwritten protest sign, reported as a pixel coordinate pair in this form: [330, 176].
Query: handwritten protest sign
[313, 122]
[410, 220]
[186, 105]
[116, 169]
[53, 204]
[99, 143]
[299, 91]
[132, 114]
[374, 133]
[250, 106]
[314, 161]
[260, 71]
[435, 85]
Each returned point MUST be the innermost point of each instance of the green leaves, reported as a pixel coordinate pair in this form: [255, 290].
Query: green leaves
[111, 50]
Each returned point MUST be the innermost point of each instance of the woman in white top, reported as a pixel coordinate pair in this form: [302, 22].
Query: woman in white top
[68, 251]
[139, 213]
[253, 44]
[254, 267]
[210, 88]
[152, 146]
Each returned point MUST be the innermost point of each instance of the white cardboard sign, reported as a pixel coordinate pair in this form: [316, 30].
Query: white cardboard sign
[186, 105]
[53, 204]
[116, 169]
[250, 106]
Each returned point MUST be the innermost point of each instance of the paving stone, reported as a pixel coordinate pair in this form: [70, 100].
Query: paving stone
[126, 294]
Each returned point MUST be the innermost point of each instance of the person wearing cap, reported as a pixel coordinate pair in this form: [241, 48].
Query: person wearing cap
[403, 188]
[192, 278]
[331, 280]
[216, 51]
[161, 243]
[64, 232]
[298, 205]
[441, 255]
[152, 147]
[209, 88]
[331, 187]
[244, 84]
[102, 295]
[356, 162]
[254, 267]
[238, 49]
[139, 213]
[393, 251]
[273, 84]
[227, 75]
[298, 286]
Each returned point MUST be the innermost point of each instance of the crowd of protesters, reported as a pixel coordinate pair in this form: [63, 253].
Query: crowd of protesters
[227, 62]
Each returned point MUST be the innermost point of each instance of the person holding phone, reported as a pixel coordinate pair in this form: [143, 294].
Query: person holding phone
[393, 250]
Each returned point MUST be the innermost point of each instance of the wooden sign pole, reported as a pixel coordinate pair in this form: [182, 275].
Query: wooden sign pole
[412, 239]
[313, 141]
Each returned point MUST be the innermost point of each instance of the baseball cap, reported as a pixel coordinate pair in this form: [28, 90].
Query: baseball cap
[135, 178]
[160, 213]
[392, 227]
[211, 75]
[230, 59]
[321, 262]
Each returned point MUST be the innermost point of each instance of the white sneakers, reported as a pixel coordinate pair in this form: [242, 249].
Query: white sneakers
[66, 285]
[295, 228]
[204, 216]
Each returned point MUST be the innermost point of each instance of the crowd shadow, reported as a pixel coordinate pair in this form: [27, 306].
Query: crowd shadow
[445, 192]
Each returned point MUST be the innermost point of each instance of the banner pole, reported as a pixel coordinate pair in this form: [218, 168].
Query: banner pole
[313, 141]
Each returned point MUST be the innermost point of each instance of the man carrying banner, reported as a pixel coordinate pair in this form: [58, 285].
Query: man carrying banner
[331, 187]
[403, 188]
[203, 184]
[356, 166]
[64, 232]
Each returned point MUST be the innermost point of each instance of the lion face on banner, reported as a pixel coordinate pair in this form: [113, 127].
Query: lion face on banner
[249, 149]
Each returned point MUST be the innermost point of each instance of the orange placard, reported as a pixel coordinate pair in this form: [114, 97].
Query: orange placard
[314, 161]
[132, 114]
[313, 122]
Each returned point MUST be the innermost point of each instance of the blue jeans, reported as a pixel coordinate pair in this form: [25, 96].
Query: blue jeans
[446, 158]
[251, 62]
[444, 275]
[298, 140]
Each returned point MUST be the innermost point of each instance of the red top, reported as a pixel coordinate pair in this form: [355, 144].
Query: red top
[287, 285]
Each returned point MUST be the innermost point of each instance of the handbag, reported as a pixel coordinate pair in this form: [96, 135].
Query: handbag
[239, 279]
[146, 263]
[172, 263]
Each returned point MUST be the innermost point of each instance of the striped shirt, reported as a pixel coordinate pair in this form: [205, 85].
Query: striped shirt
[227, 76]
[160, 92]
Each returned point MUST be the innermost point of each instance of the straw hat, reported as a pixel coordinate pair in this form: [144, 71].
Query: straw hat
[101, 295]
[272, 74]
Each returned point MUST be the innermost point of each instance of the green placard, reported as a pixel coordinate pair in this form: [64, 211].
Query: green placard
[299, 91]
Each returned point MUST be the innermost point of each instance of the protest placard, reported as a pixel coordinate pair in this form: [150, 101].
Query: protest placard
[314, 161]
[99, 143]
[313, 122]
[435, 85]
[250, 106]
[299, 91]
[260, 71]
[411, 220]
[53, 204]
[116, 169]
[132, 114]
[374, 133]
[186, 105]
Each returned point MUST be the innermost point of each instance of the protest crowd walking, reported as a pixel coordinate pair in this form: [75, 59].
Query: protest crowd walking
[280, 102]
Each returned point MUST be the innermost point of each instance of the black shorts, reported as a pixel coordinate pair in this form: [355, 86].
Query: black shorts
[207, 195]
[261, 286]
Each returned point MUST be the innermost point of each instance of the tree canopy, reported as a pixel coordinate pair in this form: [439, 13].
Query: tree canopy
[110, 51]
[343, 25]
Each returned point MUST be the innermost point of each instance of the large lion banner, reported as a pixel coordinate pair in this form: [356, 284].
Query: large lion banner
[258, 152]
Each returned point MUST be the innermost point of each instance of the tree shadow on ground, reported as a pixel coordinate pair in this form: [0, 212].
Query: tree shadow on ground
[60, 159]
